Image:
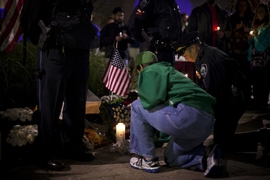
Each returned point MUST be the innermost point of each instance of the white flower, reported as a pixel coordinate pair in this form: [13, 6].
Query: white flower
[21, 135]
[17, 114]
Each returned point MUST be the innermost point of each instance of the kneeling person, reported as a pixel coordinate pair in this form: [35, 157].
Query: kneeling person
[172, 104]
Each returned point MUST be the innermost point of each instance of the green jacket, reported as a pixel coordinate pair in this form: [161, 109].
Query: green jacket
[160, 83]
[261, 42]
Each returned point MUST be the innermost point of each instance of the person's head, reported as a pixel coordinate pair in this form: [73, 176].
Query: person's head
[188, 46]
[255, 3]
[261, 15]
[243, 7]
[145, 59]
[118, 15]
[211, 2]
[262, 12]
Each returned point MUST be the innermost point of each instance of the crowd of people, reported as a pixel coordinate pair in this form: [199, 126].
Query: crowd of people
[230, 53]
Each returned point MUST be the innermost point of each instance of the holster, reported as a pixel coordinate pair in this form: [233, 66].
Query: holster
[45, 35]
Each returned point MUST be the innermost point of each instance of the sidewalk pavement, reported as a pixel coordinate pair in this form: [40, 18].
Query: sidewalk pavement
[114, 166]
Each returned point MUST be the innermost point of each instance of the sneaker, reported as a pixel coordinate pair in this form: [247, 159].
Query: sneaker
[149, 166]
[214, 163]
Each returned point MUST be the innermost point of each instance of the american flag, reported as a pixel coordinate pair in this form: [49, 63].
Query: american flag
[11, 29]
[116, 77]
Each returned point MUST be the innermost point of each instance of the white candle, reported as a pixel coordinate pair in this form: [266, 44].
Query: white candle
[120, 132]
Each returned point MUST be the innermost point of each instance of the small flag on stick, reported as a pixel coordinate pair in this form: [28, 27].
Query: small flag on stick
[116, 77]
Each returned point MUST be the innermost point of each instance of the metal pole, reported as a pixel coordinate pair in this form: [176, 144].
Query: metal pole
[24, 50]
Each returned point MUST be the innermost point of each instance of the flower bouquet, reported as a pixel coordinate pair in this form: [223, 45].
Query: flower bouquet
[118, 108]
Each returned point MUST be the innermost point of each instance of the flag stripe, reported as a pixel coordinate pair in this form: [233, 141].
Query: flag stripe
[11, 16]
[11, 29]
[122, 86]
[116, 77]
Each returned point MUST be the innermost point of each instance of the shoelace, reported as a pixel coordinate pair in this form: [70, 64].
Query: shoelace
[139, 162]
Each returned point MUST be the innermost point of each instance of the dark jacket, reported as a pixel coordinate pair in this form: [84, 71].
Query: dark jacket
[200, 20]
[218, 72]
[107, 39]
[161, 20]
[70, 21]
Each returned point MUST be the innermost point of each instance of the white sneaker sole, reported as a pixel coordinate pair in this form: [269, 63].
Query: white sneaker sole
[133, 164]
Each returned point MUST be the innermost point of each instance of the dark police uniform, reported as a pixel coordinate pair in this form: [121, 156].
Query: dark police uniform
[161, 22]
[63, 77]
[220, 76]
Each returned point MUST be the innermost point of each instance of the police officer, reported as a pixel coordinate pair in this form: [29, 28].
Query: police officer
[63, 76]
[220, 76]
[157, 24]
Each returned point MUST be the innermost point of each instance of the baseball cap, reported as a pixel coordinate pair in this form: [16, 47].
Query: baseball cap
[145, 57]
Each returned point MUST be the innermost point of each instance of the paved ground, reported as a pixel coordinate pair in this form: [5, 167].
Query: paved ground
[112, 165]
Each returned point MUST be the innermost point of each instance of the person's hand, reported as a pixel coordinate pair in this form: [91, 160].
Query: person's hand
[220, 34]
[251, 35]
[124, 36]
[239, 26]
[118, 38]
[198, 75]
[246, 29]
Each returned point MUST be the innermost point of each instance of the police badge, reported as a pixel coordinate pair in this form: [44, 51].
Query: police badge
[203, 70]
[144, 3]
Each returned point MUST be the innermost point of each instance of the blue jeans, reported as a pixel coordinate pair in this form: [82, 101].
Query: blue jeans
[189, 128]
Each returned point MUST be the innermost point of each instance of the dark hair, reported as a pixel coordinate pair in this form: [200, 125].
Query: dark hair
[265, 21]
[117, 9]
[248, 10]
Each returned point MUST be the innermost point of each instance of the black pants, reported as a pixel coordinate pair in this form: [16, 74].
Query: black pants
[228, 112]
[64, 79]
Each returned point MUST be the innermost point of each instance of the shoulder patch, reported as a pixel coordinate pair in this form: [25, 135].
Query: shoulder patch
[203, 70]
[144, 3]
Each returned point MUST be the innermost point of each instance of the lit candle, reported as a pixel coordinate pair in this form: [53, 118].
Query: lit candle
[251, 32]
[186, 75]
[120, 132]
[218, 28]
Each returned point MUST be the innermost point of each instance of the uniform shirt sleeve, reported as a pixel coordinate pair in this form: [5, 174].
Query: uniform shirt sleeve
[213, 73]
[152, 89]
[130, 38]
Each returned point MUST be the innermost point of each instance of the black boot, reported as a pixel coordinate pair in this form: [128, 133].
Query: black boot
[55, 164]
[77, 152]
